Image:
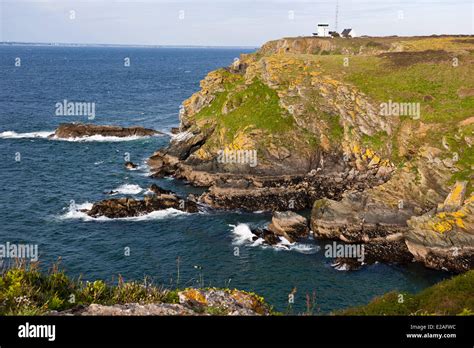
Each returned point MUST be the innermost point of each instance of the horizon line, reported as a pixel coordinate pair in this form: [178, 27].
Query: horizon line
[26, 43]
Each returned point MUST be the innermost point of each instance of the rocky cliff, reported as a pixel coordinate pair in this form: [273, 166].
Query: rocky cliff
[375, 134]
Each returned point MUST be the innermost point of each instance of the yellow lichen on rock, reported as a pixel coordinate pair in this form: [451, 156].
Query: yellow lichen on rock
[455, 198]
[194, 296]
[369, 153]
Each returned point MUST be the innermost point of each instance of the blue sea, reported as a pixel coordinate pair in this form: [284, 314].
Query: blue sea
[45, 183]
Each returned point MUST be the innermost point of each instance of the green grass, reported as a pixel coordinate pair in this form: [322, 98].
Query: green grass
[25, 290]
[255, 107]
[381, 81]
[434, 85]
[453, 296]
[377, 142]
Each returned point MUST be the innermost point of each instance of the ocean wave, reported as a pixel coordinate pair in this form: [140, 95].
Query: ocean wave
[101, 138]
[47, 135]
[181, 136]
[144, 169]
[244, 236]
[74, 212]
[127, 189]
[15, 135]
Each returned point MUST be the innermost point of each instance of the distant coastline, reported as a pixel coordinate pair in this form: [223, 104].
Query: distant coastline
[56, 44]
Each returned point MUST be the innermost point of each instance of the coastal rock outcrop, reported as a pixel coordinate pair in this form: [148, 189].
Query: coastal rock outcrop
[80, 130]
[289, 225]
[404, 219]
[129, 207]
[313, 122]
[444, 239]
[191, 302]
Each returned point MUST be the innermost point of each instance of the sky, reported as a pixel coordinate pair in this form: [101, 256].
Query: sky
[222, 22]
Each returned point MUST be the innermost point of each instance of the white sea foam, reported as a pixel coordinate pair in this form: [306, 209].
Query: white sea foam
[127, 189]
[157, 215]
[74, 213]
[181, 136]
[340, 266]
[101, 138]
[47, 134]
[243, 235]
[15, 135]
[144, 168]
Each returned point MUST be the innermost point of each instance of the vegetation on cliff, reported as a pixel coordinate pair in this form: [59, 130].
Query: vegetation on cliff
[26, 290]
[450, 297]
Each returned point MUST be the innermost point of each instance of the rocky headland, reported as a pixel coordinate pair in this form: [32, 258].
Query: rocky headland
[373, 134]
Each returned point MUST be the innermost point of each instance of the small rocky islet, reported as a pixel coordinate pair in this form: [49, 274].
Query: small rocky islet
[81, 130]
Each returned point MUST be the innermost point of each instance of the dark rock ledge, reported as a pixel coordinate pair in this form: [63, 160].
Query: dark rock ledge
[80, 130]
[129, 207]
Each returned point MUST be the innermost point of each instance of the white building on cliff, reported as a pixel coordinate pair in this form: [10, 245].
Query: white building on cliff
[322, 30]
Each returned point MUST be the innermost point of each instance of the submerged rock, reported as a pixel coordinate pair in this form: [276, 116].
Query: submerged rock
[80, 130]
[130, 165]
[268, 236]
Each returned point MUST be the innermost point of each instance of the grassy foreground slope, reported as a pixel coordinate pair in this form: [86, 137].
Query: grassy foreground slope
[25, 290]
[453, 296]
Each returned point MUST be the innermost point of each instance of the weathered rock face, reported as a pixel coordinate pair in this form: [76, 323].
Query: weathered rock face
[315, 46]
[444, 239]
[129, 207]
[228, 302]
[268, 192]
[79, 130]
[289, 225]
[191, 302]
[398, 221]
[312, 123]
[129, 309]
